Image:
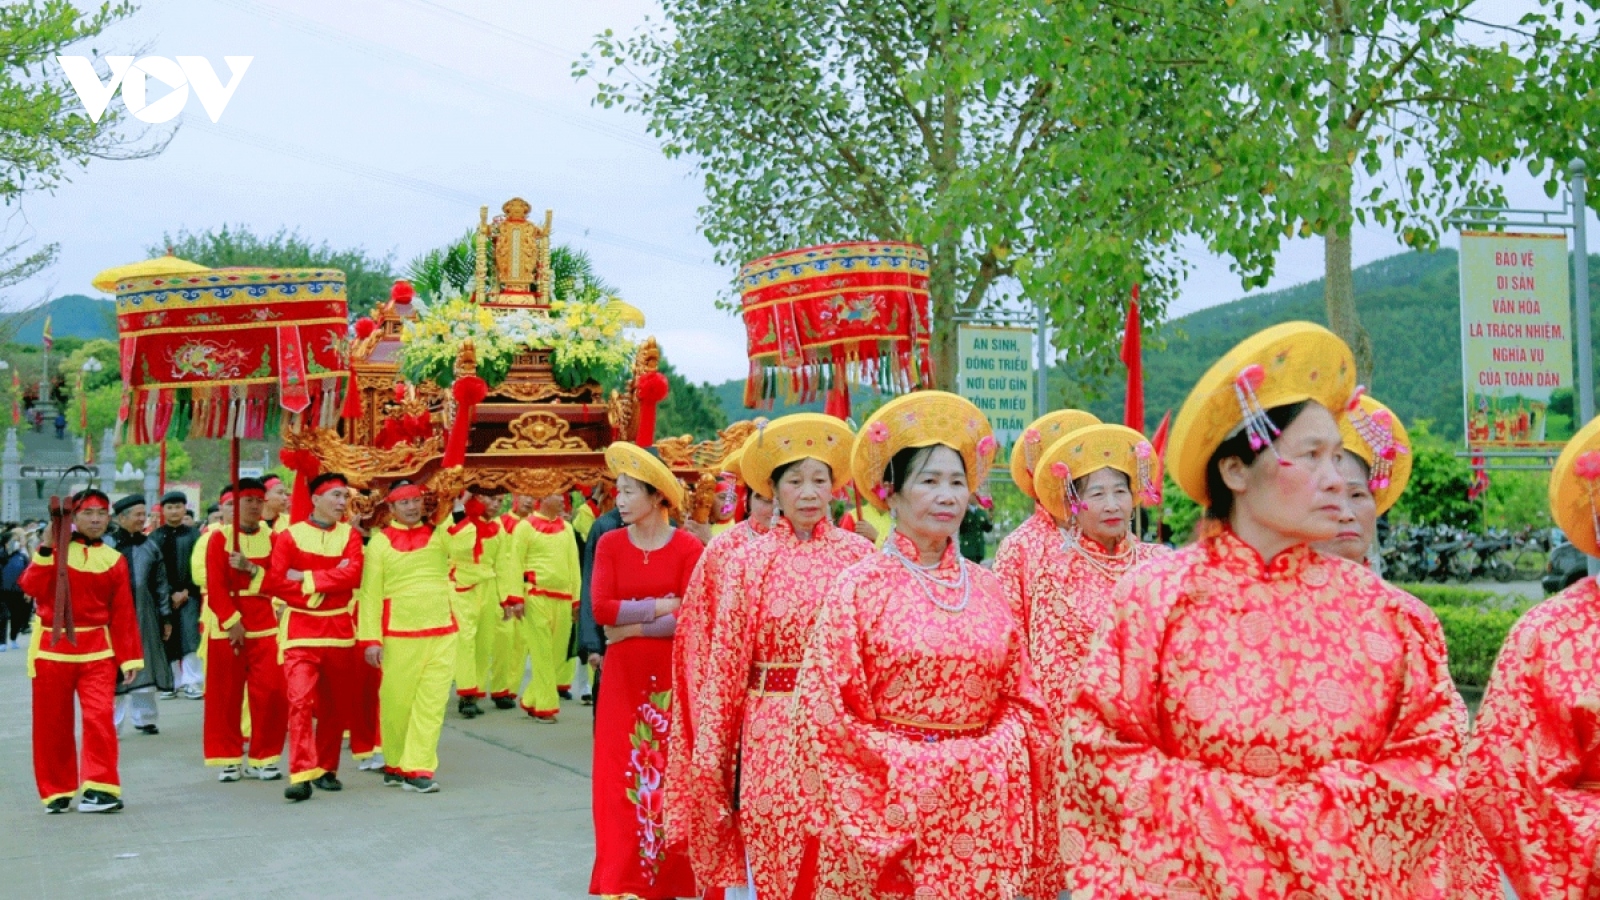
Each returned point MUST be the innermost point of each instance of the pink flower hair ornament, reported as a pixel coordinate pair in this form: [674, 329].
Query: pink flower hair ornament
[878, 432]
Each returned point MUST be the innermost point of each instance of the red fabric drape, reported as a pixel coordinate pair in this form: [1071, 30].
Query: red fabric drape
[468, 391]
[652, 390]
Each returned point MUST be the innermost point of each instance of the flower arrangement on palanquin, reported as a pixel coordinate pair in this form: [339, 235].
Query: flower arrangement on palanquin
[501, 387]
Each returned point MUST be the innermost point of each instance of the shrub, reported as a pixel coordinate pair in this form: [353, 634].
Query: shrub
[1437, 595]
[1473, 636]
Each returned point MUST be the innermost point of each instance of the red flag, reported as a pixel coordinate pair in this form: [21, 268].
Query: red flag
[1159, 443]
[1133, 358]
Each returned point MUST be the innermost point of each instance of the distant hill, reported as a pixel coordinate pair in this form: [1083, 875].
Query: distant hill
[73, 315]
[1410, 305]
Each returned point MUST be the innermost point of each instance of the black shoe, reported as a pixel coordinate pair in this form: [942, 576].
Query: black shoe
[99, 802]
[587, 699]
[328, 781]
[148, 729]
[422, 784]
[294, 793]
[564, 694]
[393, 779]
[505, 703]
[58, 806]
[466, 707]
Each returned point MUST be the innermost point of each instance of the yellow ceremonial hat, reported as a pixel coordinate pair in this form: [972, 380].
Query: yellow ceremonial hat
[730, 463]
[1288, 363]
[1575, 489]
[791, 439]
[1040, 435]
[1086, 451]
[921, 419]
[161, 265]
[638, 463]
[1373, 432]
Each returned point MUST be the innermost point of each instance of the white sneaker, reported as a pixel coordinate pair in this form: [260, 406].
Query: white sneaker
[190, 692]
[229, 773]
[268, 772]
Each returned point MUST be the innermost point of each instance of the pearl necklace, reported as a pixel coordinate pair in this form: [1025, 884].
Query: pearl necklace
[1110, 566]
[926, 580]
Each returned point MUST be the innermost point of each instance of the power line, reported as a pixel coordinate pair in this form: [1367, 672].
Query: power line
[496, 28]
[350, 41]
[423, 186]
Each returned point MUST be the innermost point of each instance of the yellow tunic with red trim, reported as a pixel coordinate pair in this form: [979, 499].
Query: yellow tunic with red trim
[518, 547]
[552, 556]
[248, 601]
[102, 607]
[197, 574]
[486, 567]
[405, 590]
[319, 609]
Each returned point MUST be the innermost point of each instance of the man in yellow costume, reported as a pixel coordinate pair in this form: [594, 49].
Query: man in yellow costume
[555, 576]
[509, 655]
[406, 629]
[488, 591]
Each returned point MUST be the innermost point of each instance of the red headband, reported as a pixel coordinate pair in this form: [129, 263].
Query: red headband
[258, 493]
[329, 485]
[404, 492]
[93, 503]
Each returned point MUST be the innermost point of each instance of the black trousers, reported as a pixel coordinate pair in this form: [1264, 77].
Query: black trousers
[15, 611]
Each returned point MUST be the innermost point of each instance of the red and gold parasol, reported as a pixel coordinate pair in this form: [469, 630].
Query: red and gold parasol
[226, 353]
[820, 318]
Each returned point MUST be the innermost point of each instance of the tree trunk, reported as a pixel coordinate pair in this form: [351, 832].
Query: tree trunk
[942, 305]
[1338, 294]
[1338, 287]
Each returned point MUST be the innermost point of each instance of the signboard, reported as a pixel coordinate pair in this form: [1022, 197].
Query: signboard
[1516, 338]
[996, 374]
[44, 471]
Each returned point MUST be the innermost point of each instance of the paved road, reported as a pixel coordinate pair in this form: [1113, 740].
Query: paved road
[512, 819]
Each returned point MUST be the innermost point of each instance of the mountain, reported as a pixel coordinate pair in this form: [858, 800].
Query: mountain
[1410, 305]
[73, 315]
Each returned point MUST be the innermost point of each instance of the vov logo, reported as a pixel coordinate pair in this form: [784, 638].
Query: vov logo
[129, 74]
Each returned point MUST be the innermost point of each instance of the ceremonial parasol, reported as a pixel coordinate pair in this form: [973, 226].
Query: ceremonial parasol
[162, 265]
[228, 353]
[820, 318]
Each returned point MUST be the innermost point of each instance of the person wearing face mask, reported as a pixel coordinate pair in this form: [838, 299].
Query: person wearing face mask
[1376, 468]
[315, 570]
[641, 573]
[1258, 719]
[734, 793]
[1090, 478]
[916, 729]
[406, 629]
[83, 668]
[1533, 771]
[151, 598]
[1041, 537]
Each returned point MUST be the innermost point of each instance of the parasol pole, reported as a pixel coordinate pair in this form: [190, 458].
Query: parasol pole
[162, 484]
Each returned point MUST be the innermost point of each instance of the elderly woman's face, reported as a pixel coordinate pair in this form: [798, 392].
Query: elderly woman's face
[1295, 488]
[1358, 526]
[635, 502]
[934, 499]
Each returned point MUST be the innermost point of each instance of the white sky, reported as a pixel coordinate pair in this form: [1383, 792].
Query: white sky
[387, 123]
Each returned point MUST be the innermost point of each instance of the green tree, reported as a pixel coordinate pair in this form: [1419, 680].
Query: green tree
[934, 122]
[44, 134]
[1517, 500]
[1327, 114]
[1437, 494]
[690, 408]
[367, 277]
[571, 270]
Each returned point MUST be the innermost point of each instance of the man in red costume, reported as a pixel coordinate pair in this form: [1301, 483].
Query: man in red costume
[243, 648]
[316, 568]
[83, 664]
